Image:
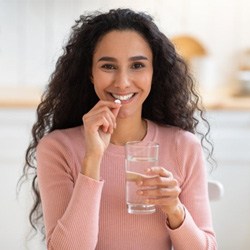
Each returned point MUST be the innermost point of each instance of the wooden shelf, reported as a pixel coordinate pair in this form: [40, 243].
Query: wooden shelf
[227, 103]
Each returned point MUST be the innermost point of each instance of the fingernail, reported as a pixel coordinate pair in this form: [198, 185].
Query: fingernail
[139, 192]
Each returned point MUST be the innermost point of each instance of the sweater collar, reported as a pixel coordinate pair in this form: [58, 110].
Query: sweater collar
[120, 149]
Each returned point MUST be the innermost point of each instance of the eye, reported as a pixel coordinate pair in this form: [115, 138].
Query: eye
[108, 66]
[138, 65]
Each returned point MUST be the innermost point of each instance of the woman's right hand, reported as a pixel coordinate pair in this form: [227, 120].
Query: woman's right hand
[99, 124]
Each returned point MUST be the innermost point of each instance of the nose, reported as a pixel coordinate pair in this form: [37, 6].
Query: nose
[122, 79]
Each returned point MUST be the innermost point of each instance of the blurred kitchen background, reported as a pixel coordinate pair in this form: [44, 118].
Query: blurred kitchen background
[213, 36]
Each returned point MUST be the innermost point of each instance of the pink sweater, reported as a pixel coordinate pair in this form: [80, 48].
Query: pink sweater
[81, 213]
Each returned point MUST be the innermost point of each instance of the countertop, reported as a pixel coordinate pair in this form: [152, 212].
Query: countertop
[20, 97]
[226, 101]
[29, 97]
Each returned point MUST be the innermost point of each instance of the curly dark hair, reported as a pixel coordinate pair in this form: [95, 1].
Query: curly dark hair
[70, 94]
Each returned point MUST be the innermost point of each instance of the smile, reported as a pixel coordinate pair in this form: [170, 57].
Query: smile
[123, 97]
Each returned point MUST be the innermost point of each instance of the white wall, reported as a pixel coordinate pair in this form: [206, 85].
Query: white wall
[32, 32]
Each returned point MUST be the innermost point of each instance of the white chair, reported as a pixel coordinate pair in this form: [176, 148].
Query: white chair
[215, 190]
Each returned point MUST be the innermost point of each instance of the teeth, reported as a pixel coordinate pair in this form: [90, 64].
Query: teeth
[122, 97]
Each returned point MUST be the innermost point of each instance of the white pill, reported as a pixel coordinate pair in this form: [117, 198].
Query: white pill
[117, 101]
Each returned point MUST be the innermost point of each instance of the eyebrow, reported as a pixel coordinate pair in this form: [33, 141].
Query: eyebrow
[112, 59]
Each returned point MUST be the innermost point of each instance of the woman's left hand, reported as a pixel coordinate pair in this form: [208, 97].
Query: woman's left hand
[162, 189]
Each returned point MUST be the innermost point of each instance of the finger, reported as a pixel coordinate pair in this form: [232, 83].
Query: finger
[166, 201]
[103, 106]
[109, 119]
[100, 110]
[133, 176]
[159, 171]
[158, 181]
[116, 110]
[103, 117]
[159, 193]
[105, 125]
[109, 104]
[95, 119]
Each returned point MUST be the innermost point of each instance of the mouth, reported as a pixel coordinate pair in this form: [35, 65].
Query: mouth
[123, 98]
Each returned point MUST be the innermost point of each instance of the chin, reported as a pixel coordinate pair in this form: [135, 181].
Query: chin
[124, 114]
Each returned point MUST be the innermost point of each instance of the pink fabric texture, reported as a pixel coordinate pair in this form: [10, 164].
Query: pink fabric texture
[85, 214]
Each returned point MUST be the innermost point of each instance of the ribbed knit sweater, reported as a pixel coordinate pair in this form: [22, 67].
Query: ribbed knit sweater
[81, 213]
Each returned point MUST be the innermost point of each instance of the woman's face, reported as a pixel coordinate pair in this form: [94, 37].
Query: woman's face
[123, 69]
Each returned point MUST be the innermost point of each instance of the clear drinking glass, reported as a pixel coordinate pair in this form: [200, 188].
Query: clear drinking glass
[139, 157]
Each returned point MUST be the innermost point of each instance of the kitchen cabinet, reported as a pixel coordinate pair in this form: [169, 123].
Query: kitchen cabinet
[230, 131]
[15, 125]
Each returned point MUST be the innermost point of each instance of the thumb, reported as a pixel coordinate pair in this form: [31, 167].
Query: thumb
[116, 110]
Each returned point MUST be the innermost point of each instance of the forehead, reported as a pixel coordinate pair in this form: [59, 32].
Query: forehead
[125, 42]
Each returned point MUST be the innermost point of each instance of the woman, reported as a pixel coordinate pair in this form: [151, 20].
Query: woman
[79, 138]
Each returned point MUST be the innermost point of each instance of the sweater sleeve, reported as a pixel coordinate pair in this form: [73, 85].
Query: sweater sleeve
[70, 204]
[196, 232]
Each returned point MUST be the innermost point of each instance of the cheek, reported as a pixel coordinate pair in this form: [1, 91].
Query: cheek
[146, 82]
[145, 78]
[98, 88]
[100, 82]
[102, 79]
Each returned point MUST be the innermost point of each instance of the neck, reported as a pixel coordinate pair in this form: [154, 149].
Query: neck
[129, 130]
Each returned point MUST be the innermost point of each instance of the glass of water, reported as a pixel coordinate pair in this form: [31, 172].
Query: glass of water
[139, 157]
